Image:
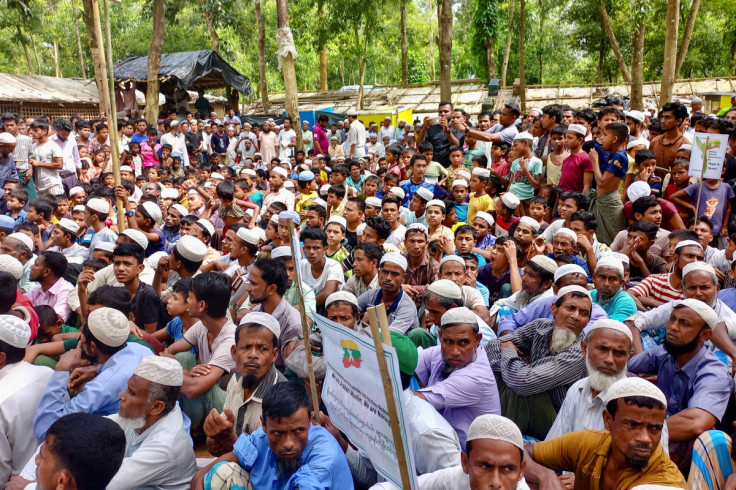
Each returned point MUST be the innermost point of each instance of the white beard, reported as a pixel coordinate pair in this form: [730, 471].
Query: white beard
[561, 340]
[134, 423]
[599, 381]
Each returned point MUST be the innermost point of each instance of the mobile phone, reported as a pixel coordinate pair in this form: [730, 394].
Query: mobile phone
[437, 120]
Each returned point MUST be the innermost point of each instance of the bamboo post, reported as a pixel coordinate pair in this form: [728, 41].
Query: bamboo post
[393, 417]
[305, 325]
[383, 323]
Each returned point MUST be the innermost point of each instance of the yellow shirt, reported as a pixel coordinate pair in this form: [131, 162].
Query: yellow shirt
[441, 231]
[586, 453]
[304, 200]
[482, 203]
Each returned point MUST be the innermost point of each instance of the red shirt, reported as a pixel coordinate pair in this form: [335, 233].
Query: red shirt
[668, 211]
[21, 300]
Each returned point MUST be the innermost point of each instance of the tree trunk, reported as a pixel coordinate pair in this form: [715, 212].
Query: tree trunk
[342, 69]
[601, 57]
[542, 15]
[670, 51]
[445, 23]
[363, 61]
[491, 58]
[57, 68]
[291, 101]
[213, 32]
[35, 53]
[507, 52]
[79, 39]
[404, 45]
[687, 34]
[431, 51]
[322, 53]
[262, 77]
[24, 43]
[637, 67]
[154, 60]
[522, 74]
[614, 43]
[97, 56]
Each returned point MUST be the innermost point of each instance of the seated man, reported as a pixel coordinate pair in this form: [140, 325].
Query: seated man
[696, 383]
[158, 451]
[452, 267]
[537, 363]
[213, 336]
[290, 295]
[322, 274]
[642, 260]
[52, 289]
[608, 279]
[564, 243]
[255, 351]
[455, 374]
[628, 453]
[149, 313]
[536, 284]
[421, 268]
[64, 239]
[104, 340]
[286, 452]
[401, 311]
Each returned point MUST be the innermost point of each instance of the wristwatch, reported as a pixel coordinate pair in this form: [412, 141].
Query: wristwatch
[130, 213]
[467, 129]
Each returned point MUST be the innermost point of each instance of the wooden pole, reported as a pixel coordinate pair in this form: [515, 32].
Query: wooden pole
[305, 325]
[383, 323]
[393, 417]
[112, 116]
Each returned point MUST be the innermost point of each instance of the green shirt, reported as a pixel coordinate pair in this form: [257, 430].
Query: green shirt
[620, 307]
[70, 344]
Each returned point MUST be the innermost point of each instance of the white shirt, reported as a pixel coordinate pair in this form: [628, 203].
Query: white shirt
[397, 236]
[285, 139]
[21, 387]
[387, 131]
[283, 195]
[331, 272]
[160, 458]
[658, 317]
[356, 136]
[178, 145]
[717, 258]
[47, 179]
[512, 303]
[472, 297]
[453, 478]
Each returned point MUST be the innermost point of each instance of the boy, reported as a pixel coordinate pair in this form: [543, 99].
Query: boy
[417, 207]
[389, 181]
[576, 174]
[418, 168]
[460, 196]
[146, 307]
[323, 275]
[166, 160]
[393, 161]
[61, 210]
[471, 152]
[484, 238]
[465, 240]
[714, 202]
[355, 179]
[181, 320]
[307, 194]
[335, 196]
[505, 209]
[499, 165]
[558, 155]
[646, 165]
[228, 210]
[39, 212]
[78, 217]
[456, 165]
[479, 199]
[46, 159]
[95, 215]
[538, 209]
[680, 181]
[526, 169]
[372, 207]
[16, 200]
[640, 238]
[370, 187]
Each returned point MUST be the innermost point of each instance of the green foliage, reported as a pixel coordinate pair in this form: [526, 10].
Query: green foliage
[418, 69]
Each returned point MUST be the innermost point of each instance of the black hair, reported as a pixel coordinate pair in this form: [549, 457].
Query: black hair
[582, 201]
[338, 190]
[40, 124]
[278, 205]
[284, 399]
[391, 200]
[650, 229]
[559, 129]
[470, 257]
[425, 146]
[19, 194]
[44, 207]
[54, 261]
[146, 215]
[611, 110]
[588, 219]
[8, 291]
[553, 110]
[539, 200]
[183, 286]
[115, 297]
[62, 125]
[639, 401]
[130, 250]
[643, 155]
[371, 250]
[643, 203]
[446, 102]
[97, 264]
[381, 225]
[320, 210]
[466, 229]
[67, 231]
[274, 273]
[314, 234]
[481, 159]
[684, 234]
[214, 289]
[619, 129]
[341, 169]
[513, 109]
[678, 109]
[225, 190]
[705, 219]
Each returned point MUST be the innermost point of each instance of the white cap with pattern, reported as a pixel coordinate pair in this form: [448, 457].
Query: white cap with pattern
[263, 319]
[162, 370]
[14, 331]
[109, 326]
[496, 427]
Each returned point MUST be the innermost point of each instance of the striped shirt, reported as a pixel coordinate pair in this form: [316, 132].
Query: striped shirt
[545, 372]
[22, 152]
[658, 287]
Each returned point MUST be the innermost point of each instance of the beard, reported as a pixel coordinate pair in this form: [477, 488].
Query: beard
[523, 298]
[605, 298]
[249, 381]
[638, 463]
[561, 340]
[131, 423]
[677, 349]
[447, 370]
[287, 467]
[599, 381]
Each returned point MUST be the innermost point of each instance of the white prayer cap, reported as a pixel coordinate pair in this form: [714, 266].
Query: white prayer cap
[249, 236]
[191, 248]
[436, 202]
[162, 370]
[137, 236]
[98, 205]
[7, 139]
[279, 252]
[446, 288]
[464, 174]
[527, 220]
[496, 427]
[69, 225]
[263, 319]
[14, 331]
[289, 184]
[633, 386]
[425, 194]
[637, 116]
[153, 259]
[698, 266]
[686, 148]
[360, 229]
[321, 202]
[324, 189]
[524, 136]
[638, 189]
[217, 175]
[153, 210]
[395, 258]
[180, 209]
[568, 232]
[398, 191]
[485, 216]
[22, 238]
[290, 215]
[510, 200]
[481, 172]
[687, 243]
[105, 246]
[260, 233]
[566, 269]
[282, 172]
[274, 218]
[207, 185]
[545, 263]
[341, 296]
[126, 168]
[578, 129]
[613, 325]
[79, 208]
[74, 191]
[460, 315]
[460, 182]
[338, 220]
[703, 310]
[249, 172]
[452, 258]
[12, 266]
[373, 201]
[109, 326]
[622, 257]
[610, 262]
[169, 193]
[638, 142]
[536, 109]
[206, 225]
[574, 288]
[417, 226]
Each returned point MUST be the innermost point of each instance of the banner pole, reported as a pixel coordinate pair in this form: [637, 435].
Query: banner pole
[702, 172]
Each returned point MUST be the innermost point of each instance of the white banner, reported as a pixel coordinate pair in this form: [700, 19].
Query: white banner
[708, 155]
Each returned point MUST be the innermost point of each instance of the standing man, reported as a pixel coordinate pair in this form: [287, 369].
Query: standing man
[665, 146]
[268, 143]
[437, 131]
[355, 137]
[8, 168]
[21, 154]
[307, 137]
[176, 140]
[46, 159]
[69, 153]
[387, 130]
[287, 141]
[319, 135]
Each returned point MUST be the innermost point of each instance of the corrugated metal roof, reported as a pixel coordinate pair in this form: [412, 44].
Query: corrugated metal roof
[43, 89]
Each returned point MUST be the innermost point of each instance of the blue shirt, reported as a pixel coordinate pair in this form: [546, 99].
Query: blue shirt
[728, 296]
[324, 465]
[620, 307]
[175, 329]
[100, 396]
[462, 212]
[578, 261]
[138, 138]
[541, 309]
[410, 188]
[7, 168]
[617, 163]
[171, 237]
[484, 291]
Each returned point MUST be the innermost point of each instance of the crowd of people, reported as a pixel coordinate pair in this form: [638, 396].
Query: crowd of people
[559, 289]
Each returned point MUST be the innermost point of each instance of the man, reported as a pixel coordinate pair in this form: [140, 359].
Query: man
[628, 453]
[387, 130]
[243, 250]
[400, 309]
[8, 169]
[21, 154]
[213, 336]
[537, 363]
[665, 146]
[64, 239]
[148, 311]
[284, 255]
[608, 280]
[590, 249]
[355, 140]
[452, 267]
[158, 451]
[320, 141]
[20, 246]
[366, 256]
[95, 215]
[52, 289]
[287, 449]
[421, 270]
[646, 208]
[22, 385]
[176, 140]
[536, 284]
[564, 243]
[103, 340]
[184, 261]
[323, 275]
[505, 130]
[286, 141]
[390, 211]
[255, 351]
[454, 375]
[696, 383]
[437, 130]
[69, 152]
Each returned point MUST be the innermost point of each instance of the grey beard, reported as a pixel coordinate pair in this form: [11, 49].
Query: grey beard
[136, 423]
[603, 299]
[287, 467]
[561, 340]
[599, 381]
[448, 370]
[523, 298]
